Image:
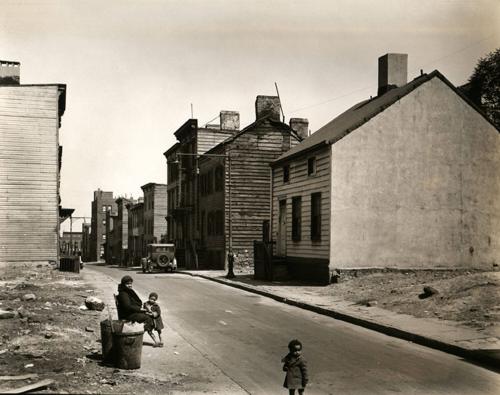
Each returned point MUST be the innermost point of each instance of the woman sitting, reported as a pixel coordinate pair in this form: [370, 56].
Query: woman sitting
[130, 307]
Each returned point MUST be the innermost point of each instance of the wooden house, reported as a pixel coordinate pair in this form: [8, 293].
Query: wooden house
[407, 179]
[235, 181]
[30, 164]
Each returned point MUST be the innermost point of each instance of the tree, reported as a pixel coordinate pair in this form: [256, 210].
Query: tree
[484, 86]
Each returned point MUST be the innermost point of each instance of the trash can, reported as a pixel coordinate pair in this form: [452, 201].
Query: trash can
[127, 349]
[107, 339]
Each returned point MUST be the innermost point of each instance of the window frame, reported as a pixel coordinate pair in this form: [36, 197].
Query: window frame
[286, 173]
[311, 166]
[296, 218]
[316, 216]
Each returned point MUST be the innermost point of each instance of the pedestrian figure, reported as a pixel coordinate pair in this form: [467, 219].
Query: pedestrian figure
[296, 368]
[152, 307]
[130, 307]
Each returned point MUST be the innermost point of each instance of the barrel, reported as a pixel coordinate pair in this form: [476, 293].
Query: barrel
[127, 349]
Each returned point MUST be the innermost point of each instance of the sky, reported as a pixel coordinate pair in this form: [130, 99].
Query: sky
[133, 68]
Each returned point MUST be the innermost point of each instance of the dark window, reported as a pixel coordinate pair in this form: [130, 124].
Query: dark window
[311, 166]
[210, 183]
[210, 224]
[286, 173]
[219, 178]
[296, 217]
[219, 223]
[316, 216]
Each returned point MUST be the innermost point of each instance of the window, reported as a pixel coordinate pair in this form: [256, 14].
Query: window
[219, 178]
[296, 217]
[316, 216]
[311, 166]
[210, 224]
[104, 221]
[219, 223]
[104, 237]
[286, 173]
[103, 209]
[210, 183]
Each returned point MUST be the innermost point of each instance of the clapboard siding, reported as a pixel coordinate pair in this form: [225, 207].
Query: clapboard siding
[251, 153]
[29, 173]
[209, 138]
[302, 185]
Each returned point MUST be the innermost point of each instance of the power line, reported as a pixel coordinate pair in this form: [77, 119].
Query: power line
[413, 70]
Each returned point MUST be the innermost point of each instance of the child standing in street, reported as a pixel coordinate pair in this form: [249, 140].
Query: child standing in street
[296, 368]
[154, 310]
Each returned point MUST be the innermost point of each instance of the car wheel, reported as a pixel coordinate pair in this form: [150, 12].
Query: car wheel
[143, 269]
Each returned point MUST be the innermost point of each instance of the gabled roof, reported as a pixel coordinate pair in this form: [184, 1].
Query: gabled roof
[361, 113]
[273, 122]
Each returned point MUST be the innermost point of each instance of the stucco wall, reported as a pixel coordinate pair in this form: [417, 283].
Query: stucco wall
[418, 186]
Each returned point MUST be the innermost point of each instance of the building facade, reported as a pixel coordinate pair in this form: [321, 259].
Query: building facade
[86, 242]
[102, 203]
[182, 181]
[136, 245]
[30, 163]
[155, 211]
[121, 231]
[71, 243]
[235, 184]
[408, 179]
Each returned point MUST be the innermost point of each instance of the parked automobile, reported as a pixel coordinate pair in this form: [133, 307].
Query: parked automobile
[160, 257]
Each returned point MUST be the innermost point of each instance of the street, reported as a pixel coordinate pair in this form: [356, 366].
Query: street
[246, 335]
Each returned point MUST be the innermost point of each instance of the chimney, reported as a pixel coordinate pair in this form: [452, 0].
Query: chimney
[268, 106]
[9, 72]
[392, 71]
[300, 126]
[229, 120]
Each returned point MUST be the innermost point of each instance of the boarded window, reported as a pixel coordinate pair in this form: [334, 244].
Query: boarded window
[296, 218]
[286, 173]
[311, 166]
[316, 216]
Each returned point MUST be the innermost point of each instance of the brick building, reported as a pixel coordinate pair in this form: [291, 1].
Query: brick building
[103, 202]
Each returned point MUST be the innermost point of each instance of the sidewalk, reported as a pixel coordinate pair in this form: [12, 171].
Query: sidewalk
[447, 336]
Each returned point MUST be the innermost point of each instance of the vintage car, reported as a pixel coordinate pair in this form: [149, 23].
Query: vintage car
[160, 257]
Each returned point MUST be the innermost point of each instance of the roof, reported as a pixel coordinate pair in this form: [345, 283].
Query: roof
[275, 123]
[152, 184]
[361, 113]
[172, 149]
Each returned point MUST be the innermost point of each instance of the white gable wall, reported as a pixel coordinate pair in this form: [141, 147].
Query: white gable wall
[417, 186]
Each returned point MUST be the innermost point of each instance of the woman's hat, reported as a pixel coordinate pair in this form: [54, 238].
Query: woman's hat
[127, 279]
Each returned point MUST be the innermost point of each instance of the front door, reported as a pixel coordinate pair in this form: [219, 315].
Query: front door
[281, 242]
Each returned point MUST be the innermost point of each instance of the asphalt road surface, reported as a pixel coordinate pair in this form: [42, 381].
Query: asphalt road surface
[246, 335]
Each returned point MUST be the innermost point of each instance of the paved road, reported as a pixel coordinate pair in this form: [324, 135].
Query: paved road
[245, 336]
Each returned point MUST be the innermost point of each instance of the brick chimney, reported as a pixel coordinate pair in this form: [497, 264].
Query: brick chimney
[9, 72]
[392, 71]
[300, 126]
[229, 120]
[268, 106]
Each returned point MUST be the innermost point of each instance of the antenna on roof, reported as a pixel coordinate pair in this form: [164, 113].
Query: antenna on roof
[191, 110]
[281, 106]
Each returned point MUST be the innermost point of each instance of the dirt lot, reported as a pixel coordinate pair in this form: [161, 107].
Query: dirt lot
[53, 338]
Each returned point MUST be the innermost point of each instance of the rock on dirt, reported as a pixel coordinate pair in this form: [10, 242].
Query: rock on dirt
[29, 297]
[5, 314]
[428, 292]
[94, 303]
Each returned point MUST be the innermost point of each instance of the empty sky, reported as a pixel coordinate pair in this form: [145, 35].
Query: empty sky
[133, 67]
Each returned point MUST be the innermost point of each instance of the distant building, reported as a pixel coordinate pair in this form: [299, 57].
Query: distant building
[121, 231]
[103, 202]
[182, 182]
[155, 211]
[30, 164]
[407, 179]
[86, 242]
[110, 248]
[136, 245]
[71, 243]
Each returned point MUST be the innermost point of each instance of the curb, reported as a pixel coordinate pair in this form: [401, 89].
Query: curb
[480, 357]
